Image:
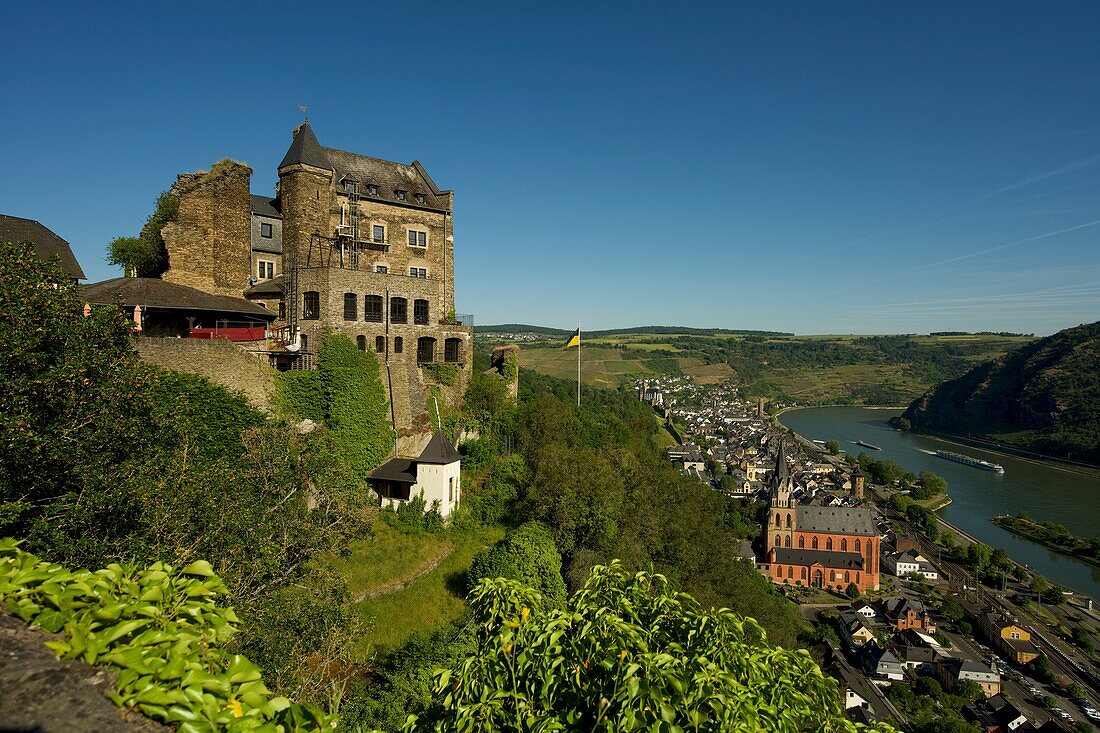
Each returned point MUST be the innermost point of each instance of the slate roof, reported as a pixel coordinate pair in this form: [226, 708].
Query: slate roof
[46, 243]
[439, 451]
[829, 559]
[835, 520]
[305, 149]
[265, 206]
[399, 470]
[156, 293]
[274, 286]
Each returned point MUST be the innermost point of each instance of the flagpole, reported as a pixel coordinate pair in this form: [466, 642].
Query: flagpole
[578, 363]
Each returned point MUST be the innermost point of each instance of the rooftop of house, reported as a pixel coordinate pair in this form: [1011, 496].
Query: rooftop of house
[152, 292]
[826, 558]
[265, 206]
[46, 243]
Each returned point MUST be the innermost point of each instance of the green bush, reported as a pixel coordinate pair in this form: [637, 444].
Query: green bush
[299, 394]
[627, 653]
[443, 373]
[356, 412]
[162, 630]
[527, 555]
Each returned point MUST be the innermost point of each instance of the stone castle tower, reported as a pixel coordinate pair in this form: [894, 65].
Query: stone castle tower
[781, 525]
[859, 484]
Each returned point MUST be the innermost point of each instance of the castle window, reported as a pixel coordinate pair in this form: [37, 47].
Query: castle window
[813, 544]
[399, 310]
[311, 305]
[378, 234]
[451, 489]
[802, 543]
[282, 310]
[452, 350]
[361, 342]
[421, 198]
[305, 343]
[381, 269]
[400, 194]
[372, 189]
[379, 344]
[351, 307]
[265, 231]
[425, 350]
[421, 272]
[398, 344]
[420, 312]
[372, 308]
[418, 238]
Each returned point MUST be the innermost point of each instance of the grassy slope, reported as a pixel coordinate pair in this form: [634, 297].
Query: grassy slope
[429, 600]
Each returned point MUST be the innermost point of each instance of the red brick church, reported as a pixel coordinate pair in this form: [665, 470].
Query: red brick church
[821, 547]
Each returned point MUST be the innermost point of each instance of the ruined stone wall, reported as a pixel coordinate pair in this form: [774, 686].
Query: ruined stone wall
[222, 362]
[209, 241]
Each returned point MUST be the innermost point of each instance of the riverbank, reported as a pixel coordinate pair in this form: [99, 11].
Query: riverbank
[1052, 536]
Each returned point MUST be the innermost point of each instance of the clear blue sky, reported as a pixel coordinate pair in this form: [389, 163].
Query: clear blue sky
[818, 167]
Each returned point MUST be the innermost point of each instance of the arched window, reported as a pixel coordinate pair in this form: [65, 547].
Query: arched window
[787, 541]
[399, 310]
[813, 544]
[398, 344]
[801, 543]
[790, 571]
[380, 344]
[452, 350]
[776, 520]
[361, 342]
[843, 544]
[857, 578]
[828, 543]
[778, 541]
[351, 307]
[425, 350]
[788, 521]
[858, 547]
[372, 308]
[847, 577]
[420, 312]
[803, 573]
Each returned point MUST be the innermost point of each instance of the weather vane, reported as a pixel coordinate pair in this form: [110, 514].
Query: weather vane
[304, 110]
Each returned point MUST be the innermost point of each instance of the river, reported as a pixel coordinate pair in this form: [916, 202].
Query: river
[1043, 491]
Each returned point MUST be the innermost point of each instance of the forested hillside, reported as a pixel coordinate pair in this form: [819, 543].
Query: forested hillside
[1044, 397]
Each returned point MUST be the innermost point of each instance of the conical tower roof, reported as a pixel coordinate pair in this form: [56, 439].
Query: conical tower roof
[305, 149]
[439, 450]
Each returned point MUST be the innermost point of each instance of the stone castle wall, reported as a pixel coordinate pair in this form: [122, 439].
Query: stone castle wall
[209, 240]
[222, 362]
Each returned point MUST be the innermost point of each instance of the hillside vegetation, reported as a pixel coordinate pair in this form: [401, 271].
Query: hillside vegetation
[1044, 397]
[872, 370]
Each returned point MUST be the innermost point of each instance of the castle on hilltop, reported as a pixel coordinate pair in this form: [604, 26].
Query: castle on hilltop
[817, 546]
[349, 243]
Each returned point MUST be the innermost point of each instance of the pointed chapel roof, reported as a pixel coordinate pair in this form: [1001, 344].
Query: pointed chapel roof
[305, 149]
[782, 473]
[439, 450]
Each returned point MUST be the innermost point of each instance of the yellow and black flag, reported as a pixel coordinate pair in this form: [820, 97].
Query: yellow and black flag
[574, 340]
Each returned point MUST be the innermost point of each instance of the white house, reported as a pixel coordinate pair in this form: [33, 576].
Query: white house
[436, 472]
[902, 564]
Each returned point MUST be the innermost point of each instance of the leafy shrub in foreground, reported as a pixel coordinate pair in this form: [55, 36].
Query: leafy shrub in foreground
[627, 653]
[161, 629]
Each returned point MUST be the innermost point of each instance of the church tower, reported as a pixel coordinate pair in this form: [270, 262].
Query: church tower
[780, 528]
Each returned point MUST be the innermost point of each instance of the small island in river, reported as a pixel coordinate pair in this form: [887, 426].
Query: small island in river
[1054, 536]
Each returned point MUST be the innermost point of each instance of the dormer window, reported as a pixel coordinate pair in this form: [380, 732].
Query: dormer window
[350, 186]
[421, 198]
[400, 194]
[372, 189]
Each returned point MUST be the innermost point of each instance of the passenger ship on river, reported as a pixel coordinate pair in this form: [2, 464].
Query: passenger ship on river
[968, 461]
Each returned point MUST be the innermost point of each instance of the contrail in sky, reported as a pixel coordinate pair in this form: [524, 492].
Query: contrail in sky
[970, 255]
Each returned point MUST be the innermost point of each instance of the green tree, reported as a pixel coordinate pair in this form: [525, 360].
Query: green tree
[833, 446]
[527, 555]
[627, 653]
[852, 591]
[136, 256]
[934, 483]
[1075, 691]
